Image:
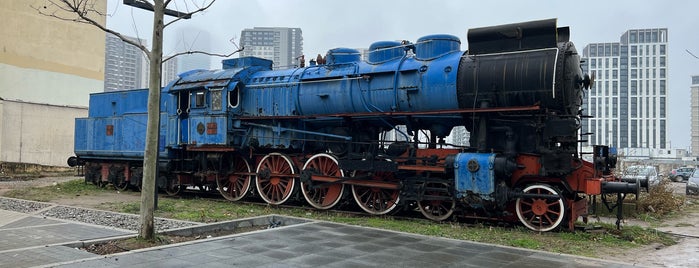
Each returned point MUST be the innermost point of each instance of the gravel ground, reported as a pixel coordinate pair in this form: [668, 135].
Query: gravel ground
[99, 217]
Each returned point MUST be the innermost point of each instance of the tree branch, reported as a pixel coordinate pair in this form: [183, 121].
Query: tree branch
[202, 52]
[83, 9]
[690, 53]
[188, 14]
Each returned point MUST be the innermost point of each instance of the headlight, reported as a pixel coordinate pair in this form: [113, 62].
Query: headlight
[692, 184]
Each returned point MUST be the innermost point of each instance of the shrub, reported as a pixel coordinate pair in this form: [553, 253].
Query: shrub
[660, 200]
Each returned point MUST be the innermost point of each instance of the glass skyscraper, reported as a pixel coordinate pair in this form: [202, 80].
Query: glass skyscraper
[628, 101]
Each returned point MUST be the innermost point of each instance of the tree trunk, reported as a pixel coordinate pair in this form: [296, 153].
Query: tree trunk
[150, 159]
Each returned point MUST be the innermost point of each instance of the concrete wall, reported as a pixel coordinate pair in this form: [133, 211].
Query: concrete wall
[37, 133]
[47, 60]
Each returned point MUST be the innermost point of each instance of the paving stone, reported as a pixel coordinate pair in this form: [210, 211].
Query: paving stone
[306, 245]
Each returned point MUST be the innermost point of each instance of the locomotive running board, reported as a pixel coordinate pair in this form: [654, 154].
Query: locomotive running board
[368, 114]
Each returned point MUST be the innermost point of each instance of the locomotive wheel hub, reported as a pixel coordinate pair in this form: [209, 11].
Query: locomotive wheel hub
[539, 206]
[274, 181]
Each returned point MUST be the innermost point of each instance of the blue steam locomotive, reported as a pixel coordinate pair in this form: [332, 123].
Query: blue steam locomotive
[372, 132]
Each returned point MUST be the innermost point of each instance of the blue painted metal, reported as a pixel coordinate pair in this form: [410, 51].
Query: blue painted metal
[470, 180]
[393, 81]
[116, 125]
[245, 62]
[436, 45]
[383, 51]
[207, 130]
[342, 55]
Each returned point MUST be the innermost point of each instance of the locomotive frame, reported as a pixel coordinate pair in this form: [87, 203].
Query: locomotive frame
[321, 130]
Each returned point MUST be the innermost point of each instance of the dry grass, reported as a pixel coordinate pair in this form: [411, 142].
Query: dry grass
[660, 200]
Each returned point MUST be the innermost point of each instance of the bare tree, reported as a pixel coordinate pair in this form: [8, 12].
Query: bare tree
[84, 11]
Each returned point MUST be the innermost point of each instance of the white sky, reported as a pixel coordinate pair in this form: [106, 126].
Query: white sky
[328, 24]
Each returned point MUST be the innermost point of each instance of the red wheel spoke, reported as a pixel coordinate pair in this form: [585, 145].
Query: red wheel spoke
[322, 194]
[541, 214]
[548, 218]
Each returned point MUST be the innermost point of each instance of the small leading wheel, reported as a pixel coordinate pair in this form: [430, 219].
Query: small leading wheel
[120, 183]
[99, 182]
[275, 180]
[540, 214]
[375, 200]
[236, 184]
[172, 186]
[437, 204]
[326, 196]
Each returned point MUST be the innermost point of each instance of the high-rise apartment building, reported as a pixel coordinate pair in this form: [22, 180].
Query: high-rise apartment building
[695, 115]
[125, 65]
[169, 71]
[628, 101]
[281, 45]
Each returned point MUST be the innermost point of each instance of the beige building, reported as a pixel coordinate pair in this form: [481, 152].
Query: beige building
[48, 68]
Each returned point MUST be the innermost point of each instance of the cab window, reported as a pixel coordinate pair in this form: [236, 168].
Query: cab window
[234, 97]
[199, 99]
[216, 99]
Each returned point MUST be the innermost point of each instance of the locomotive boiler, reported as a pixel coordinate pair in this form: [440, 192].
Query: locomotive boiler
[372, 132]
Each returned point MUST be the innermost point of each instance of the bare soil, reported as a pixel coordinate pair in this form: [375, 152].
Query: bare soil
[123, 245]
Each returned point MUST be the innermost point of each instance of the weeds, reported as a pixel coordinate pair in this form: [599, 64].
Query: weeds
[660, 201]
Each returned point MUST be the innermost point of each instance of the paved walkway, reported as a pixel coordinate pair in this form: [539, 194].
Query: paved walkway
[27, 240]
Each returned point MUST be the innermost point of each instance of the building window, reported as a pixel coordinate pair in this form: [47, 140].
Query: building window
[662, 50]
[662, 73]
[662, 107]
[634, 62]
[592, 49]
[662, 61]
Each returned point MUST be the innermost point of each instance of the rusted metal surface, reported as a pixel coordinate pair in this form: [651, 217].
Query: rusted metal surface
[439, 169]
[211, 149]
[358, 182]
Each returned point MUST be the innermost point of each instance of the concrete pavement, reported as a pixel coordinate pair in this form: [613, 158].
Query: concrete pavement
[28, 240]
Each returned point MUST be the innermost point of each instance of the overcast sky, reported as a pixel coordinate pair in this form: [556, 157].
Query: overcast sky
[328, 24]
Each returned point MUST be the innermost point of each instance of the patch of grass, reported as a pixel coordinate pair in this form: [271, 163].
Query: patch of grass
[67, 189]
